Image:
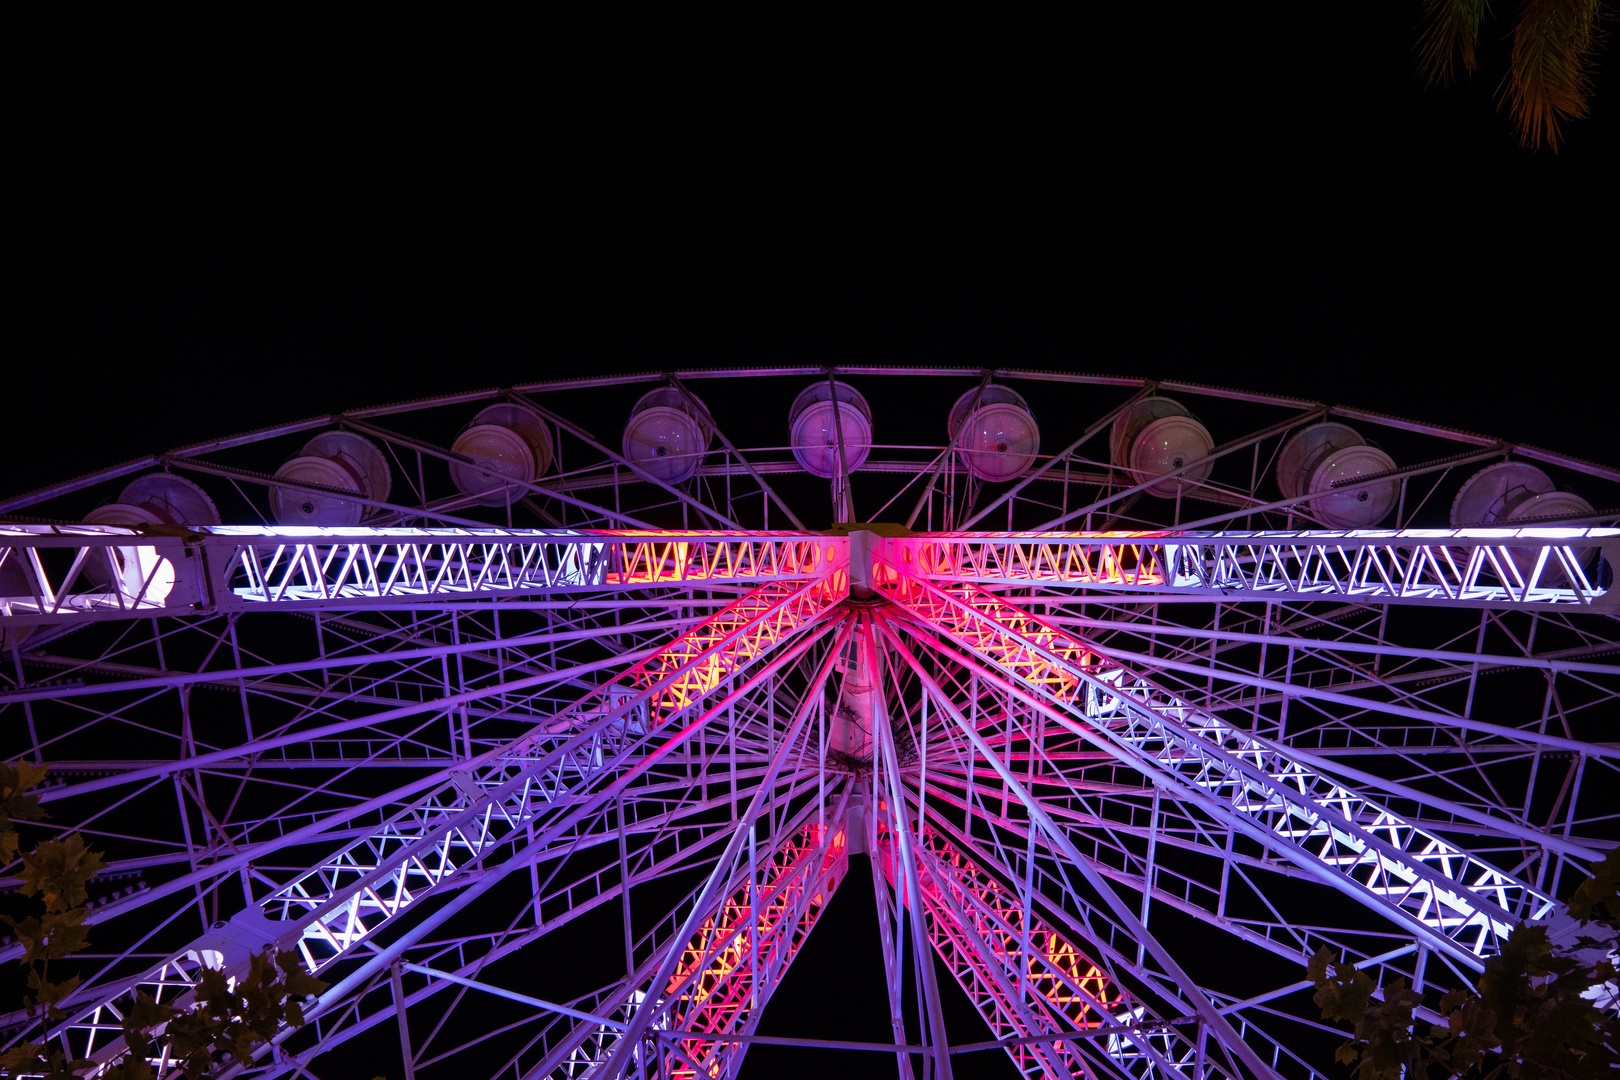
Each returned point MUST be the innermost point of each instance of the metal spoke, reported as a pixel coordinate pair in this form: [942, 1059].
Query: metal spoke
[550, 763]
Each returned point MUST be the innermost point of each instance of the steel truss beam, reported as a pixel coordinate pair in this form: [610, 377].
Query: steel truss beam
[83, 572]
[97, 572]
[1039, 981]
[1498, 568]
[561, 894]
[266, 678]
[766, 802]
[1019, 852]
[1214, 902]
[1109, 922]
[1451, 899]
[1118, 826]
[1338, 685]
[1062, 771]
[655, 1004]
[1024, 971]
[340, 822]
[560, 1044]
[539, 789]
[535, 675]
[726, 972]
[1026, 978]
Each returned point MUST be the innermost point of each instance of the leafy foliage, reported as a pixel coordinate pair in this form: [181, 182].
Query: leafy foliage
[1381, 1046]
[59, 870]
[15, 802]
[1549, 78]
[1451, 34]
[1532, 1016]
[35, 1060]
[1591, 902]
[228, 1017]
[1343, 992]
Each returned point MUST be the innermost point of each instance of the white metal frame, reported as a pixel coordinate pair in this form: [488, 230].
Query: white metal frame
[422, 750]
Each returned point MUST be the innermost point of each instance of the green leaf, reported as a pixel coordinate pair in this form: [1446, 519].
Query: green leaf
[29, 934]
[49, 993]
[1550, 70]
[300, 983]
[1342, 992]
[1451, 34]
[64, 933]
[15, 804]
[50, 936]
[1512, 986]
[1595, 899]
[146, 1014]
[22, 1054]
[228, 1021]
[1472, 1027]
[134, 1066]
[59, 870]
[213, 988]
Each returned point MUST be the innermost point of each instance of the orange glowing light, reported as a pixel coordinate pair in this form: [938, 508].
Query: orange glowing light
[661, 559]
[713, 983]
[1039, 557]
[1054, 970]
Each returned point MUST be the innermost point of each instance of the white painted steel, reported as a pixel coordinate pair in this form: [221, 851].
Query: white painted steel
[407, 739]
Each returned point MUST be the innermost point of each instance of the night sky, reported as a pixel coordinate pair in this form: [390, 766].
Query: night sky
[215, 226]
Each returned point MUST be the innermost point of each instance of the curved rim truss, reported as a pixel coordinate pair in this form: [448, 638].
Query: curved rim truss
[556, 776]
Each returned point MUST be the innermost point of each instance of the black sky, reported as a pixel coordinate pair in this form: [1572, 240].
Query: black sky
[221, 223]
[220, 226]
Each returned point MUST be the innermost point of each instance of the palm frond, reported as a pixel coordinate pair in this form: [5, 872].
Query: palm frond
[1550, 73]
[1450, 34]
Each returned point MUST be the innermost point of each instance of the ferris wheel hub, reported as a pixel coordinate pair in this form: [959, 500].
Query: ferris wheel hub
[1064, 661]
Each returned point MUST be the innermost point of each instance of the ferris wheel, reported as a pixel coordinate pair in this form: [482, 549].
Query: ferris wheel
[546, 748]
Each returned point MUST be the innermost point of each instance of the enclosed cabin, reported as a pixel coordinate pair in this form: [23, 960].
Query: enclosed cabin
[505, 448]
[1516, 494]
[1328, 461]
[1157, 437]
[826, 421]
[667, 434]
[154, 499]
[994, 433]
[321, 481]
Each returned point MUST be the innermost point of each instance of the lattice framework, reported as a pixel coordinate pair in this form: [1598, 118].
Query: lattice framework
[422, 751]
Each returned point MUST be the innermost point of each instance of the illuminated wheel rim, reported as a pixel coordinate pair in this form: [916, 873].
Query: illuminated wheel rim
[1159, 760]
